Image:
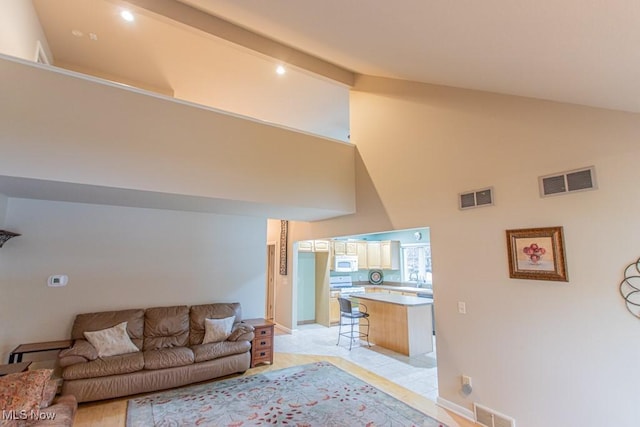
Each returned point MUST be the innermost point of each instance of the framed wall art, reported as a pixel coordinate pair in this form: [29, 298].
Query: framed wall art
[284, 232]
[537, 253]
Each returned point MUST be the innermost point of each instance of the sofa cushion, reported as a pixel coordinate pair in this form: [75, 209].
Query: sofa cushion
[198, 313]
[216, 330]
[166, 327]
[112, 365]
[111, 341]
[106, 319]
[168, 358]
[204, 352]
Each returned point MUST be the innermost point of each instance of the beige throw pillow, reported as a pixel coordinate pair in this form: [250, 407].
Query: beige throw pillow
[216, 330]
[112, 341]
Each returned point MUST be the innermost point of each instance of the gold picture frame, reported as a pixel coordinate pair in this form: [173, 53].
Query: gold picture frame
[537, 254]
[284, 237]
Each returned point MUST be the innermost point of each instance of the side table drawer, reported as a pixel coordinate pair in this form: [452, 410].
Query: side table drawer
[263, 333]
[261, 356]
[262, 343]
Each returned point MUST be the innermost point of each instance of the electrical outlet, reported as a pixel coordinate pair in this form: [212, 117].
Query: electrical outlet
[462, 307]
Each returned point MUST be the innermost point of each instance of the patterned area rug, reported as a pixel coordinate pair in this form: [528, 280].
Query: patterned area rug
[318, 394]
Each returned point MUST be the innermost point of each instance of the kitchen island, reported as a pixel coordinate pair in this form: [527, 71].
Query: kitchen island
[398, 322]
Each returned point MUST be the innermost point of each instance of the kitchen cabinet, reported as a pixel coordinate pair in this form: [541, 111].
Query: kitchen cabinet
[339, 247]
[390, 254]
[351, 248]
[334, 308]
[313, 246]
[384, 254]
[321, 246]
[374, 258]
[361, 253]
[305, 246]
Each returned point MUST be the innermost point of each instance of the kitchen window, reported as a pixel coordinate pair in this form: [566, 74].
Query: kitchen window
[416, 264]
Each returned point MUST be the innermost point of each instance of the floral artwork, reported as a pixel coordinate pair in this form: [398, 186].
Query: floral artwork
[537, 253]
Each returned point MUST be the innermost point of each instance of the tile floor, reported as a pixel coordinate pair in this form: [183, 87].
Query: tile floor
[416, 373]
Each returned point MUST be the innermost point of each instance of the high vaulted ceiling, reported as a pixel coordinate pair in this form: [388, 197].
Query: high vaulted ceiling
[575, 51]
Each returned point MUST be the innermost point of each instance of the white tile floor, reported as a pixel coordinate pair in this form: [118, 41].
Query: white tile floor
[416, 373]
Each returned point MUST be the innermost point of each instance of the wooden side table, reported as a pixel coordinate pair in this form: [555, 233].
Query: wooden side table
[262, 344]
[14, 368]
[16, 354]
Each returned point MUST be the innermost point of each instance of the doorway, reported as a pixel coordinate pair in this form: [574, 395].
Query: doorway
[271, 280]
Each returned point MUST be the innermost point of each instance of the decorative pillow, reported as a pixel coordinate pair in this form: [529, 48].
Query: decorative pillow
[112, 341]
[23, 391]
[216, 330]
[49, 392]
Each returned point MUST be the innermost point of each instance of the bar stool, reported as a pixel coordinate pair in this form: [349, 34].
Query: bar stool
[353, 316]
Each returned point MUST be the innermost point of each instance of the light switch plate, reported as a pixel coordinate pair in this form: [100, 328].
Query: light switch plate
[462, 307]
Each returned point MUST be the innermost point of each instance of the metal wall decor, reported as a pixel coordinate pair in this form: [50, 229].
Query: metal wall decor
[630, 288]
[284, 232]
[6, 235]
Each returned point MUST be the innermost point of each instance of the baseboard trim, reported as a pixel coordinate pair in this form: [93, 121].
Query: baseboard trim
[453, 407]
[283, 328]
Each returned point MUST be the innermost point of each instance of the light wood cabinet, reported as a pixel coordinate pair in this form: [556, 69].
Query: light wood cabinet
[390, 254]
[361, 252]
[321, 246]
[339, 247]
[305, 246]
[334, 308]
[374, 258]
[351, 248]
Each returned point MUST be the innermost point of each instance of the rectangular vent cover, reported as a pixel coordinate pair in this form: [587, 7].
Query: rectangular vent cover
[490, 418]
[567, 182]
[476, 198]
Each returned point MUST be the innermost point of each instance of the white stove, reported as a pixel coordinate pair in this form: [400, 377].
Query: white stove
[344, 284]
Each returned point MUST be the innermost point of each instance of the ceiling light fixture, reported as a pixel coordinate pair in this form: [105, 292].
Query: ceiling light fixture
[281, 70]
[77, 33]
[127, 16]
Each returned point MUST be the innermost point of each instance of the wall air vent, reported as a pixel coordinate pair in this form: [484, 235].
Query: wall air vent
[490, 418]
[568, 182]
[476, 198]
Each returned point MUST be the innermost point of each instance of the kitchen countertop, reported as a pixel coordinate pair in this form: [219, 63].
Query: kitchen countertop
[394, 299]
[396, 286]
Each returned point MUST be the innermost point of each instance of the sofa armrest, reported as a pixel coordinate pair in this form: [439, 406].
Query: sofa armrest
[81, 351]
[241, 332]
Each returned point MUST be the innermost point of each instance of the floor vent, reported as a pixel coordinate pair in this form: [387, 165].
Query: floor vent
[476, 198]
[568, 182]
[490, 418]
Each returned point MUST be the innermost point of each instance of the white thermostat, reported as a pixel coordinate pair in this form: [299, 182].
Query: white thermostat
[57, 280]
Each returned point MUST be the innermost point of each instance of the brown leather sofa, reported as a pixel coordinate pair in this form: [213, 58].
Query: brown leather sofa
[171, 351]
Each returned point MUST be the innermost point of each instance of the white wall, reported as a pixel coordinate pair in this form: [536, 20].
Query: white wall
[119, 257]
[3, 209]
[545, 353]
[20, 30]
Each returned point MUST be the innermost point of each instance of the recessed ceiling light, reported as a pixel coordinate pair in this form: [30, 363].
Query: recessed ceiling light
[77, 33]
[127, 16]
[281, 70]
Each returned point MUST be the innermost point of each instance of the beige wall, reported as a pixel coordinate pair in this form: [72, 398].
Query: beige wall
[545, 353]
[119, 257]
[3, 209]
[93, 133]
[20, 30]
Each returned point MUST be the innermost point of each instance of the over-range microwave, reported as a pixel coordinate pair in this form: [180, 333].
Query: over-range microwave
[345, 264]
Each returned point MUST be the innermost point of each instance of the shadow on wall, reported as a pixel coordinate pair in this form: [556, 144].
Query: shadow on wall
[370, 211]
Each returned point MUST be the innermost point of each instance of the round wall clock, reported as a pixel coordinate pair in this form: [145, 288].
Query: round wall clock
[375, 277]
